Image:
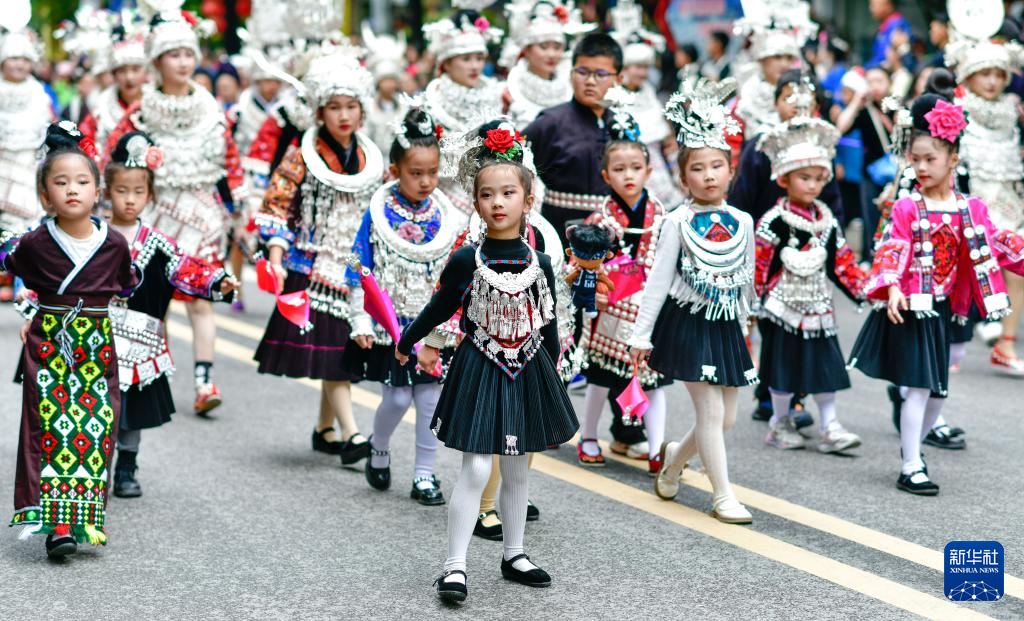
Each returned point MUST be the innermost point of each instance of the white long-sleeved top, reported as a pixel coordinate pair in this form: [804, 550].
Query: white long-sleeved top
[666, 279]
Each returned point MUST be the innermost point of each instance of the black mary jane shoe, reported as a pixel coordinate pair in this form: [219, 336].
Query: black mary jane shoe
[322, 445]
[59, 546]
[378, 478]
[451, 591]
[351, 451]
[532, 512]
[430, 495]
[921, 488]
[491, 533]
[536, 577]
[942, 437]
[956, 432]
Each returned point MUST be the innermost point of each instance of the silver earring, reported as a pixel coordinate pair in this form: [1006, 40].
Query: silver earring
[483, 229]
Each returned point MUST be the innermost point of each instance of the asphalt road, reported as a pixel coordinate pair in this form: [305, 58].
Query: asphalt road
[241, 520]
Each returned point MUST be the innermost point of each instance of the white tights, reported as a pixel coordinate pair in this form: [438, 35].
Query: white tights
[957, 352]
[716, 414]
[654, 418]
[394, 403]
[917, 417]
[465, 501]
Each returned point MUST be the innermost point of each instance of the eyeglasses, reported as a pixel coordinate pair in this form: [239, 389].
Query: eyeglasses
[599, 75]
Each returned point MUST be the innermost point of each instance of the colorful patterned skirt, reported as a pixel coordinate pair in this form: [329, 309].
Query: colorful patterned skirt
[69, 424]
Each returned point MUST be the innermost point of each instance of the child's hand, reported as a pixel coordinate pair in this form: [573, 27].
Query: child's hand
[638, 355]
[897, 302]
[400, 357]
[229, 285]
[364, 341]
[23, 333]
[427, 357]
[601, 299]
[281, 274]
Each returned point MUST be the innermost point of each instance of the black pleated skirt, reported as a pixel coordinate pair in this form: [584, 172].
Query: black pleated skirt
[600, 376]
[692, 348]
[483, 410]
[148, 406]
[914, 353]
[792, 363]
[317, 354]
[378, 364]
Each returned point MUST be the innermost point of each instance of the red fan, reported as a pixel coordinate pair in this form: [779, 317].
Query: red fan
[627, 276]
[633, 401]
[293, 306]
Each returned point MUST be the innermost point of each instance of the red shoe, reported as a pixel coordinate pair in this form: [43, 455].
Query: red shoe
[654, 466]
[589, 461]
[1007, 364]
[207, 398]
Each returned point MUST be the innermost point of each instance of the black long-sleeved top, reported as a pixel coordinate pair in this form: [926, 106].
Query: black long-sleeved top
[568, 142]
[755, 193]
[453, 291]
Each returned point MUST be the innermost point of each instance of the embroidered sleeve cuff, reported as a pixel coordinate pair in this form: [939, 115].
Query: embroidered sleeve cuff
[878, 282]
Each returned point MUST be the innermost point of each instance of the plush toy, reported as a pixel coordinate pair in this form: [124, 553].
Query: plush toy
[589, 247]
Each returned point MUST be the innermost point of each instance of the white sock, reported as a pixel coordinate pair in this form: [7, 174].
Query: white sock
[654, 420]
[932, 412]
[512, 499]
[826, 409]
[425, 396]
[780, 406]
[903, 392]
[463, 507]
[393, 404]
[957, 352]
[593, 405]
[911, 423]
[940, 421]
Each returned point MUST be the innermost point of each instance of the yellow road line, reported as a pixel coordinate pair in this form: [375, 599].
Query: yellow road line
[811, 518]
[773, 549]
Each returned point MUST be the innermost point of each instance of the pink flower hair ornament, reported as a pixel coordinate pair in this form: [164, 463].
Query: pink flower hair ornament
[482, 24]
[946, 121]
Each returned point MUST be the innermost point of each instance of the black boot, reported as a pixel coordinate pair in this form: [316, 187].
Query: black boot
[125, 485]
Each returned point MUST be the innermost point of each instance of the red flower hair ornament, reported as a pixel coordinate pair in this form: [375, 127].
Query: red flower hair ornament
[946, 121]
[505, 142]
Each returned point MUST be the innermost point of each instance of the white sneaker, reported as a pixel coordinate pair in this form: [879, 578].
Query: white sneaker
[837, 439]
[639, 450]
[666, 484]
[730, 511]
[783, 436]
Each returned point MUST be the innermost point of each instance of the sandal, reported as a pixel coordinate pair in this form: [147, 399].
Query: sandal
[1009, 364]
[589, 461]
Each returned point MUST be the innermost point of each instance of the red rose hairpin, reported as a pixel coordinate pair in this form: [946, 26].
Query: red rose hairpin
[504, 142]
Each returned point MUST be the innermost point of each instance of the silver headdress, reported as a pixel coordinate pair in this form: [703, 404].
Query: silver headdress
[801, 142]
[447, 39]
[172, 28]
[623, 126]
[264, 33]
[972, 47]
[776, 27]
[386, 53]
[17, 40]
[699, 112]
[336, 70]
[639, 46]
[425, 126]
[90, 35]
[539, 21]
[128, 44]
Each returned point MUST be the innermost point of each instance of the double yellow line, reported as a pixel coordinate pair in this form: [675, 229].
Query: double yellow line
[748, 539]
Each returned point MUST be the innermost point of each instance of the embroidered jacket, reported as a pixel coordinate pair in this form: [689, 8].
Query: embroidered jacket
[798, 252]
[955, 254]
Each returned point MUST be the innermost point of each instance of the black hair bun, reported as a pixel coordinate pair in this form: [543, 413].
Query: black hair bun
[922, 106]
[132, 146]
[941, 82]
[465, 17]
[419, 124]
[63, 136]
